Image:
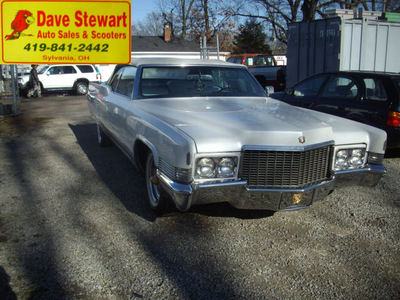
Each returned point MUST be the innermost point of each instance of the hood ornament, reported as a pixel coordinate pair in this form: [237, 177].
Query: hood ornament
[302, 139]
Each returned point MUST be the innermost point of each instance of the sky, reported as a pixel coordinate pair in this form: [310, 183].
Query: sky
[140, 8]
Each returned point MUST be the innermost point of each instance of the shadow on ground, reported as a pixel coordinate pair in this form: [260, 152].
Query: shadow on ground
[128, 185]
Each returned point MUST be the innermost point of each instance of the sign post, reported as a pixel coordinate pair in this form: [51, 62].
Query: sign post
[65, 32]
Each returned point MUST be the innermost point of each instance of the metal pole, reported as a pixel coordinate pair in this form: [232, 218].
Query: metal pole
[15, 93]
[217, 46]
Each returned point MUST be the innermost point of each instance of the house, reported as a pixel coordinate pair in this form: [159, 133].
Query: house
[165, 46]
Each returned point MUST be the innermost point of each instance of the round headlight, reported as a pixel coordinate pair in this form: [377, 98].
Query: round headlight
[356, 161]
[342, 154]
[342, 159]
[205, 167]
[226, 167]
[357, 153]
[356, 158]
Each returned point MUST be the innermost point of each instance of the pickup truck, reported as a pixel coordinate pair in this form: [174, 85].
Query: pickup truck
[264, 68]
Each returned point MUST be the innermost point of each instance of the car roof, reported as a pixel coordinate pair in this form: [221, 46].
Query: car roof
[181, 62]
[368, 73]
[252, 54]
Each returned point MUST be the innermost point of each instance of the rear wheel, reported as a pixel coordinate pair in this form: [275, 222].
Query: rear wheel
[81, 88]
[158, 202]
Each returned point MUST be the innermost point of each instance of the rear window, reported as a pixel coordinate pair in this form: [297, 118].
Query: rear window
[235, 59]
[85, 68]
[259, 61]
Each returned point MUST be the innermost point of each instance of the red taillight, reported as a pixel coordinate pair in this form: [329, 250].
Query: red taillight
[393, 119]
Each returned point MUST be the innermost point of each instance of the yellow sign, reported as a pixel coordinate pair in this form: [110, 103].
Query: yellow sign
[65, 32]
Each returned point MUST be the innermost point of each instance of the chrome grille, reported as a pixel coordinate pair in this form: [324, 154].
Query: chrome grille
[285, 169]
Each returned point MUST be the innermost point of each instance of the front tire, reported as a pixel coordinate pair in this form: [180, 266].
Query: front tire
[158, 202]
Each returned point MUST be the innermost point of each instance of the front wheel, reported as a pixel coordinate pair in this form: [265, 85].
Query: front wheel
[158, 202]
[81, 88]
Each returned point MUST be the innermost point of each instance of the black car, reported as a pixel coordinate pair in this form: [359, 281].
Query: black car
[369, 97]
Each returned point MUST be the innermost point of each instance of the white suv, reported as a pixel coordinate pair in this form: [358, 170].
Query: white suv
[64, 78]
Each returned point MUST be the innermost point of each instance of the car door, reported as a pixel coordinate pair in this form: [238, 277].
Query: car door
[116, 103]
[59, 77]
[338, 96]
[305, 93]
[374, 104]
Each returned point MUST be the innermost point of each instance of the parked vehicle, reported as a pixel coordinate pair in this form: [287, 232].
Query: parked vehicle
[64, 78]
[204, 131]
[264, 68]
[372, 98]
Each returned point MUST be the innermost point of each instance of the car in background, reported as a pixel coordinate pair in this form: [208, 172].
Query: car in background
[264, 68]
[371, 98]
[63, 78]
[204, 131]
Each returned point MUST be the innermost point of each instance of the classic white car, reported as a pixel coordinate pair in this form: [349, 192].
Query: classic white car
[204, 131]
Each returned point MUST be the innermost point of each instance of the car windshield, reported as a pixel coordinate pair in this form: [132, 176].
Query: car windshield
[195, 81]
[43, 70]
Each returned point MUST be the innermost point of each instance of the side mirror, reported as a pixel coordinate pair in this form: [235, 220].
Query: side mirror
[269, 89]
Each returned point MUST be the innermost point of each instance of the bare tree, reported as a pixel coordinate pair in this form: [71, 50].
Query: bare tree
[279, 14]
[152, 25]
[177, 13]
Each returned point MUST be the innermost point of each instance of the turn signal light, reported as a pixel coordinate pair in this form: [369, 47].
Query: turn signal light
[393, 119]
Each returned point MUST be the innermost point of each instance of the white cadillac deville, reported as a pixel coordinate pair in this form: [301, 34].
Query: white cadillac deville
[204, 131]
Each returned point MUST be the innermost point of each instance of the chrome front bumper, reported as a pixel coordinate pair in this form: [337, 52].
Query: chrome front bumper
[238, 195]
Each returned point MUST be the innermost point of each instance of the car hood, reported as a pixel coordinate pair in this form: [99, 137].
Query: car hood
[228, 124]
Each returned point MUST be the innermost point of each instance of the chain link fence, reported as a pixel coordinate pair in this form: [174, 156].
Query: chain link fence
[9, 92]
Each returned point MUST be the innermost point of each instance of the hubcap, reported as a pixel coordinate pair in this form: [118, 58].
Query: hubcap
[154, 189]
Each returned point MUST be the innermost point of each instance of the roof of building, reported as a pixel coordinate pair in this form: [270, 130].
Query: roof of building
[157, 44]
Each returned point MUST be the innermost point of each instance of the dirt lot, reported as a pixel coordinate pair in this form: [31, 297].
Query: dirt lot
[74, 224]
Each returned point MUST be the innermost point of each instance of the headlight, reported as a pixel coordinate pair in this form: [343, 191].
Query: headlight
[216, 167]
[226, 167]
[349, 159]
[205, 167]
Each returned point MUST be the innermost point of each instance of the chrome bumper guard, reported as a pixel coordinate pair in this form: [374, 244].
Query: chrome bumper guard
[238, 195]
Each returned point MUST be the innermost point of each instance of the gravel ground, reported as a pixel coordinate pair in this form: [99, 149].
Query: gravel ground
[74, 224]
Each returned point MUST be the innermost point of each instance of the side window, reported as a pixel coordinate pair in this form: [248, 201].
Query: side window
[397, 81]
[54, 70]
[374, 90]
[85, 68]
[68, 70]
[340, 87]
[309, 87]
[235, 59]
[264, 61]
[126, 81]
[249, 61]
[114, 80]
